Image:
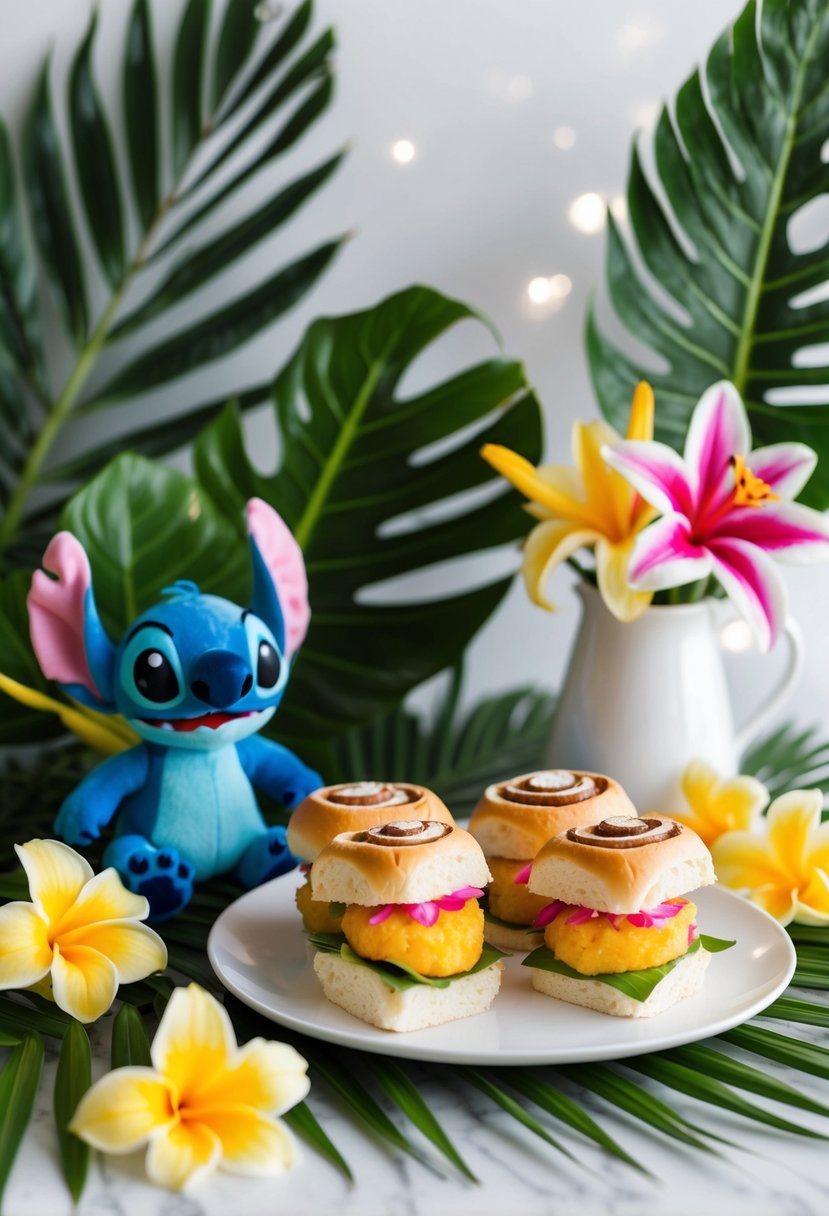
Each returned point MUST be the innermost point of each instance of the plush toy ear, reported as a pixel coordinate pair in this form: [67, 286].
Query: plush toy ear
[67, 635]
[280, 585]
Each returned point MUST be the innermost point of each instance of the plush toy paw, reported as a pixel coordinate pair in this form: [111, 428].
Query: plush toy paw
[267, 857]
[163, 877]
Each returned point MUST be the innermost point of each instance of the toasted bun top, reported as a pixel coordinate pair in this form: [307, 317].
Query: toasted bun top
[622, 864]
[516, 817]
[354, 806]
[402, 862]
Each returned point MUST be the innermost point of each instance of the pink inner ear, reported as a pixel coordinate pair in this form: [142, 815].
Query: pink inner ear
[284, 559]
[57, 610]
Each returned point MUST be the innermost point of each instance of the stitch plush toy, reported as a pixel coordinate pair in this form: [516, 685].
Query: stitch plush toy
[196, 677]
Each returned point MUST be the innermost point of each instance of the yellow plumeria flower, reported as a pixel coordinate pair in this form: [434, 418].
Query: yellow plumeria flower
[81, 935]
[590, 506]
[205, 1102]
[785, 867]
[716, 806]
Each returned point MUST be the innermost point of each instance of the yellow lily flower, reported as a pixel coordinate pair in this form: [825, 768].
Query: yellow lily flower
[785, 867]
[204, 1103]
[589, 506]
[81, 935]
[716, 806]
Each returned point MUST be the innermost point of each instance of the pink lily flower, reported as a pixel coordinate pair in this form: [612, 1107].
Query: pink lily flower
[427, 913]
[726, 511]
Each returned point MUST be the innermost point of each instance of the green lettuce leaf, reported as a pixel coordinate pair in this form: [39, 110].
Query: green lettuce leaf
[636, 984]
[397, 975]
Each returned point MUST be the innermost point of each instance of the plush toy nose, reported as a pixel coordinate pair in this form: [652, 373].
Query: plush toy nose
[220, 678]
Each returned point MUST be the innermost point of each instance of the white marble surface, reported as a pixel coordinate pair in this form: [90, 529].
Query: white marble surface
[772, 1174]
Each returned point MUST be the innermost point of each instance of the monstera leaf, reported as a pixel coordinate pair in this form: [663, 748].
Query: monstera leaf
[738, 158]
[370, 481]
[229, 107]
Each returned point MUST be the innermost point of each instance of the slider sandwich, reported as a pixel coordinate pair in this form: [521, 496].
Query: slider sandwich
[411, 953]
[511, 823]
[333, 809]
[619, 935]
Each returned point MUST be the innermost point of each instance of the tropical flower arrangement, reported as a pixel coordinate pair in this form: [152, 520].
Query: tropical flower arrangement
[718, 517]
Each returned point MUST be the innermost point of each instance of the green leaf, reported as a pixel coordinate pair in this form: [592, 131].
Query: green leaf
[563, 1108]
[301, 1119]
[734, 1072]
[737, 157]
[794, 1009]
[294, 31]
[484, 1082]
[95, 161]
[807, 1057]
[18, 277]
[18, 1087]
[790, 758]
[18, 1020]
[72, 1080]
[236, 39]
[51, 214]
[707, 1089]
[143, 526]
[141, 111]
[221, 332]
[130, 1044]
[188, 80]
[634, 1100]
[399, 975]
[18, 662]
[373, 513]
[404, 1093]
[638, 985]
[200, 265]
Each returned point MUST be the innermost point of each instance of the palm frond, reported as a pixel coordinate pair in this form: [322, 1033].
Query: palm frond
[737, 156]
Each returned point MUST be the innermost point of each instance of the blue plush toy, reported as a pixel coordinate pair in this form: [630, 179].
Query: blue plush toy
[196, 677]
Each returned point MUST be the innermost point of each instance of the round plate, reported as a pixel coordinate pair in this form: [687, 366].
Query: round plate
[258, 950]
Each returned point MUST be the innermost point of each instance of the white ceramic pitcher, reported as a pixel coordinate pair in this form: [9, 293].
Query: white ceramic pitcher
[641, 700]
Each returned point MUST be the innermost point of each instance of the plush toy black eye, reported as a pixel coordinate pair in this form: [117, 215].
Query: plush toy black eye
[267, 667]
[154, 676]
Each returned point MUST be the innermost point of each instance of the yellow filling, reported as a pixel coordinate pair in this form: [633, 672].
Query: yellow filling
[596, 948]
[316, 913]
[452, 944]
[508, 899]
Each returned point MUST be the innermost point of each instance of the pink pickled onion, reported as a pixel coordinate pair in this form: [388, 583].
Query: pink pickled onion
[523, 875]
[647, 918]
[427, 913]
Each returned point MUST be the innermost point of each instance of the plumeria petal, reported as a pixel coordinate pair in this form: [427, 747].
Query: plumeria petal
[84, 982]
[753, 584]
[789, 531]
[270, 1077]
[251, 1143]
[656, 471]
[135, 950]
[716, 806]
[122, 1110]
[813, 902]
[183, 1156]
[548, 545]
[194, 1041]
[103, 898]
[612, 564]
[790, 823]
[538, 485]
[785, 467]
[744, 861]
[718, 430]
[25, 952]
[56, 874]
[665, 556]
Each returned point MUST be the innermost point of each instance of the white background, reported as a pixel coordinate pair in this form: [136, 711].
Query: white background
[480, 87]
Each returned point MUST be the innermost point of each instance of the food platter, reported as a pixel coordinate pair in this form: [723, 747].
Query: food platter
[259, 952]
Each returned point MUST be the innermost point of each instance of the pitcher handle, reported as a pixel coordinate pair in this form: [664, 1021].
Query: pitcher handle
[748, 732]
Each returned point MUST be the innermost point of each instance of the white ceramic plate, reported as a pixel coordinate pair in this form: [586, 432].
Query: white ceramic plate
[258, 950]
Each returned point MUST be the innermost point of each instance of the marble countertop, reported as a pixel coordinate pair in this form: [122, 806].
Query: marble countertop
[770, 1174]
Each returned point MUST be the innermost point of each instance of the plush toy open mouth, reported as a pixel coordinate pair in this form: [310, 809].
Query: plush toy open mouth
[212, 721]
